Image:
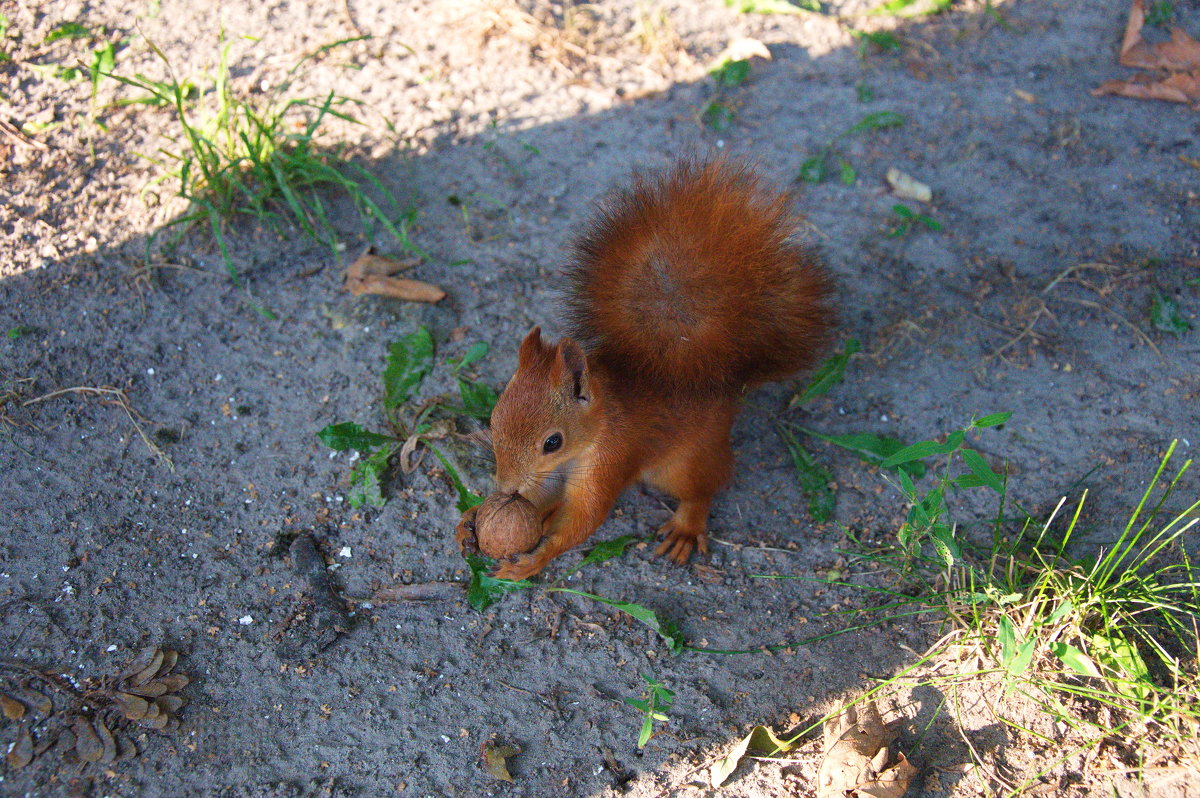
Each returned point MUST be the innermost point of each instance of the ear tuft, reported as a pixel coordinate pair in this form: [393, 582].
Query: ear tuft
[531, 346]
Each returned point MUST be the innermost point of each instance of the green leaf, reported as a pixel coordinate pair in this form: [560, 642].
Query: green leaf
[478, 399]
[813, 170]
[883, 40]
[472, 355]
[945, 544]
[348, 435]
[903, 8]
[828, 374]
[772, 6]
[67, 30]
[1014, 656]
[873, 449]
[665, 628]
[1074, 659]
[731, 73]
[814, 479]
[717, 116]
[761, 740]
[409, 360]
[923, 449]
[993, 420]
[1126, 668]
[466, 499]
[846, 172]
[1165, 315]
[602, 552]
[483, 591]
[879, 120]
[982, 471]
[366, 479]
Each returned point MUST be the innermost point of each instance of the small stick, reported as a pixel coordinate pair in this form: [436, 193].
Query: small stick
[121, 399]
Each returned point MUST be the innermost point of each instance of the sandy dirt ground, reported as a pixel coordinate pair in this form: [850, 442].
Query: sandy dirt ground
[1062, 216]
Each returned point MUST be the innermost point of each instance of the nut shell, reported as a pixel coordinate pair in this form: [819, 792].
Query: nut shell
[507, 525]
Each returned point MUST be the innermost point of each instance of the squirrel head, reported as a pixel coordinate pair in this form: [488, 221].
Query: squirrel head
[546, 416]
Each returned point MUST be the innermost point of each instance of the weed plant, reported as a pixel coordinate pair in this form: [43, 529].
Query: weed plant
[263, 157]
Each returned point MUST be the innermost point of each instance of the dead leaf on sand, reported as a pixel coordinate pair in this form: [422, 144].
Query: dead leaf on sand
[760, 740]
[496, 756]
[1179, 57]
[856, 757]
[21, 752]
[374, 274]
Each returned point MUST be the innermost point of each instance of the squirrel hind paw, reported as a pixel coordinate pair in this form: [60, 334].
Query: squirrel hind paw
[679, 542]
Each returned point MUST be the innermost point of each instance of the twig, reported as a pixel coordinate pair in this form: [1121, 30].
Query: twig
[118, 397]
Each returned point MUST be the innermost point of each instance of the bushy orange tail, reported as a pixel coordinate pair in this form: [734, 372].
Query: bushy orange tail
[694, 280]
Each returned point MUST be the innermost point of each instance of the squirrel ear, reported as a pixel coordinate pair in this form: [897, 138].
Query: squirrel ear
[574, 365]
[530, 346]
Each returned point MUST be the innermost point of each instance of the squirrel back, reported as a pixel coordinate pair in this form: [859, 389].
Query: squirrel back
[694, 281]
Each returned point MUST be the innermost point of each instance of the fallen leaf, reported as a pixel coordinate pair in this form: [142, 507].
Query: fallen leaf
[1181, 53]
[372, 274]
[495, 758]
[144, 666]
[38, 701]
[907, 186]
[169, 659]
[21, 753]
[856, 757]
[87, 742]
[133, 707]
[108, 745]
[13, 709]
[1178, 87]
[760, 739]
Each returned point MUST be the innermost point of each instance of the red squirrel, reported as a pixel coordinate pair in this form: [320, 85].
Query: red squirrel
[687, 289]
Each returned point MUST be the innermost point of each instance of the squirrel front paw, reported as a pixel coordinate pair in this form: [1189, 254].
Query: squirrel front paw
[680, 540]
[521, 566]
[464, 535]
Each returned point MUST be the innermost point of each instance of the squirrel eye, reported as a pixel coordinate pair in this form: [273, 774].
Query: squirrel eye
[552, 444]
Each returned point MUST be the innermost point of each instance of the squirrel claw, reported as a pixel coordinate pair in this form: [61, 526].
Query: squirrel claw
[521, 566]
[679, 544]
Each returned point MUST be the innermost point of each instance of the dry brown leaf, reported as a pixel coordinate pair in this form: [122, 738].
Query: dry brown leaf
[150, 689]
[13, 709]
[133, 707]
[856, 756]
[1180, 54]
[170, 657]
[372, 274]
[174, 682]
[1178, 87]
[108, 745]
[21, 753]
[170, 703]
[87, 743]
[39, 702]
[495, 758]
[144, 666]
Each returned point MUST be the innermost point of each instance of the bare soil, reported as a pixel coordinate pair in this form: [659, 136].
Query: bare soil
[1062, 215]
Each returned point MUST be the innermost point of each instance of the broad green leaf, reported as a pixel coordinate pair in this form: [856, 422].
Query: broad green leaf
[483, 591]
[904, 8]
[993, 420]
[348, 435]
[665, 628]
[478, 398]
[1074, 659]
[1065, 607]
[814, 479]
[1165, 315]
[828, 374]
[472, 355]
[874, 449]
[1127, 669]
[884, 40]
[408, 361]
[67, 30]
[879, 120]
[1014, 656]
[602, 552]
[923, 449]
[982, 471]
[717, 116]
[365, 479]
[760, 740]
[731, 73]
[947, 547]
